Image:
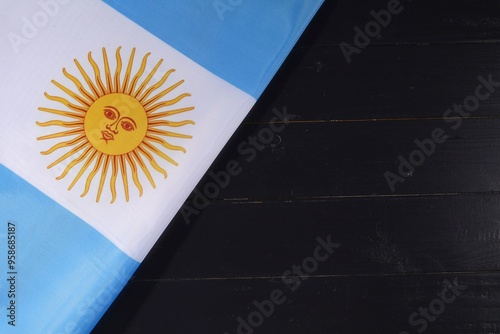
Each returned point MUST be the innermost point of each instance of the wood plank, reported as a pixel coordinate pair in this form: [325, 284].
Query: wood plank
[395, 235]
[382, 82]
[351, 158]
[420, 22]
[343, 305]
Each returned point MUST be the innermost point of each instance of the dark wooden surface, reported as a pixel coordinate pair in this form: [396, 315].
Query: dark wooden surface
[324, 175]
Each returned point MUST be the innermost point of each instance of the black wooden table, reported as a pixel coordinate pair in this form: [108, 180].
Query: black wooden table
[374, 207]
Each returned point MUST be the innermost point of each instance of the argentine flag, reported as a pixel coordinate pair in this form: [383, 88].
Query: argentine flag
[111, 112]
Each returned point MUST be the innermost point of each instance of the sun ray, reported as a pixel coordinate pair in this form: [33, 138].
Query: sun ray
[171, 124]
[62, 113]
[158, 152]
[87, 79]
[60, 123]
[135, 177]
[82, 170]
[165, 92]
[72, 94]
[104, 172]
[115, 123]
[144, 168]
[169, 113]
[79, 85]
[75, 162]
[155, 86]
[61, 134]
[152, 161]
[107, 72]
[118, 70]
[148, 79]
[68, 143]
[92, 174]
[97, 74]
[123, 170]
[165, 144]
[66, 103]
[114, 175]
[169, 133]
[139, 74]
[68, 154]
[126, 79]
[150, 109]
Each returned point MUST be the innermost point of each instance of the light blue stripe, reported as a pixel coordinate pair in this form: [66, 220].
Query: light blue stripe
[242, 41]
[67, 272]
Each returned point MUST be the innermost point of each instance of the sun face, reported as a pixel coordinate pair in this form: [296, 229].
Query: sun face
[116, 124]
[116, 127]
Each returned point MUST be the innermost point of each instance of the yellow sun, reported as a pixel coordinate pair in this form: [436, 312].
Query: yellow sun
[115, 125]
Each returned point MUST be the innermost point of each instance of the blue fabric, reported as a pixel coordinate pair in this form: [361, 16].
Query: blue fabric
[66, 274]
[242, 41]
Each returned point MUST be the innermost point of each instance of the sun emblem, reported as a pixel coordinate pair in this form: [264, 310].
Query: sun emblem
[116, 127]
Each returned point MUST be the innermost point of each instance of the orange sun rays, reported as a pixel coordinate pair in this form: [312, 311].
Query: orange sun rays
[135, 112]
